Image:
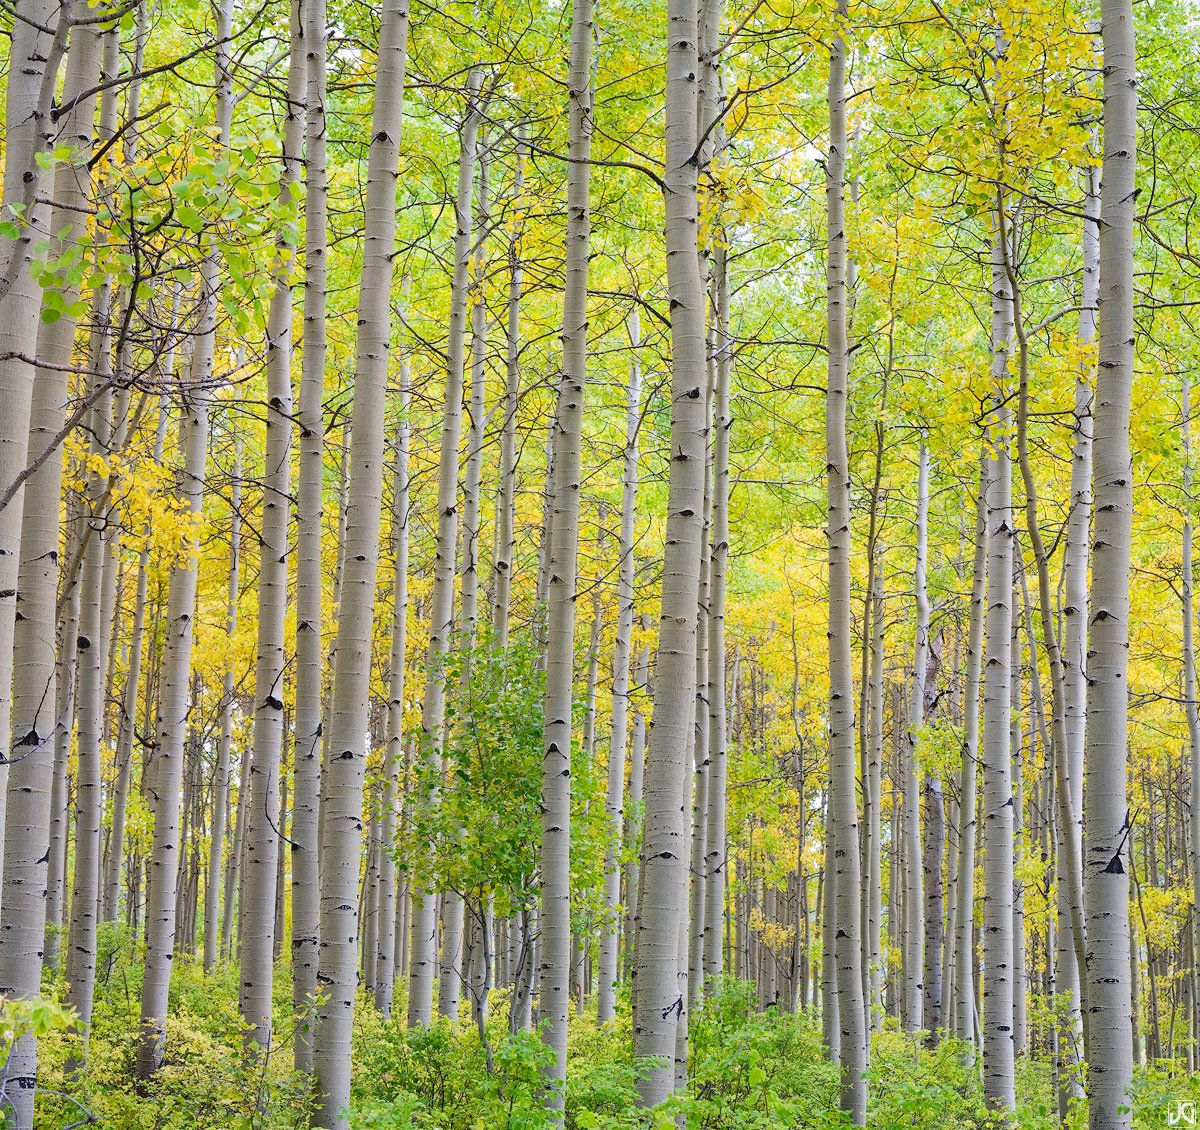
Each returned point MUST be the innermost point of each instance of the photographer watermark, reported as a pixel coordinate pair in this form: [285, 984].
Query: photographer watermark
[1183, 1112]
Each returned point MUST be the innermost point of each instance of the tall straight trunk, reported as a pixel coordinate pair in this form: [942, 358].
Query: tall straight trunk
[60, 815]
[92, 651]
[310, 424]
[715, 860]
[1017, 748]
[36, 45]
[1189, 676]
[173, 708]
[424, 956]
[31, 771]
[342, 802]
[562, 560]
[385, 960]
[964, 912]
[256, 939]
[873, 948]
[1069, 983]
[1106, 810]
[998, 1067]
[852, 1031]
[619, 724]
[663, 894]
[502, 566]
[221, 779]
[631, 834]
[914, 895]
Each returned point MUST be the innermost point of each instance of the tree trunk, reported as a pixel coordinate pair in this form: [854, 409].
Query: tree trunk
[260, 876]
[341, 823]
[1106, 811]
[852, 1041]
[658, 1002]
[618, 729]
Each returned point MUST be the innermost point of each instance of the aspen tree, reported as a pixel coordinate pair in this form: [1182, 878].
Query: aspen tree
[619, 724]
[502, 567]
[424, 956]
[1106, 808]
[256, 937]
[997, 957]
[222, 779]
[310, 427]
[914, 896]
[342, 801]
[385, 967]
[562, 565]
[715, 849]
[37, 42]
[662, 892]
[852, 1033]
[31, 771]
[1068, 981]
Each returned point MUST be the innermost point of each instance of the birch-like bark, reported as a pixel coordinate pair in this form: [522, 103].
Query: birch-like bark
[562, 559]
[341, 823]
[502, 567]
[1069, 783]
[658, 1002]
[914, 895]
[718, 738]
[174, 704]
[619, 725]
[31, 769]
[1106, 811]
[631, 834]
[964, 913]
[424, 955]
[221, 780]
[37, 42]
[385, 958]
[852, 1031]
[256, 937]
[997, 1019]
[310, 426]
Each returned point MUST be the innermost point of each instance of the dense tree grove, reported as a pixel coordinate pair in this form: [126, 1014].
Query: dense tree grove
[598, 566]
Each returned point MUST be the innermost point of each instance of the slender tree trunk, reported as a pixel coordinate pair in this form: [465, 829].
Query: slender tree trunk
[260, 874]
[555, 915]
[716, 858]
[341, 832]
[998, 1067]
[310, 423]
[31, 771]
[852, 1041]
[619, 726]
[658, 1003]
[424, 959]
[964, 914]
[1106, 811]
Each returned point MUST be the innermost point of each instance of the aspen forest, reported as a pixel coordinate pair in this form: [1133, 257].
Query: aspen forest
[599, 564]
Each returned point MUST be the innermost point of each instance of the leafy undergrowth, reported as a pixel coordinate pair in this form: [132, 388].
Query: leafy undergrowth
[748, 1070]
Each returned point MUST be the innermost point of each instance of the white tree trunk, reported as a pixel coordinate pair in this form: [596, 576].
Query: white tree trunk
[1106, 811]
[555, 914]
[424, 959]
[998, 1067]
[341, 821]
[619, 726]
[658, 1003]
